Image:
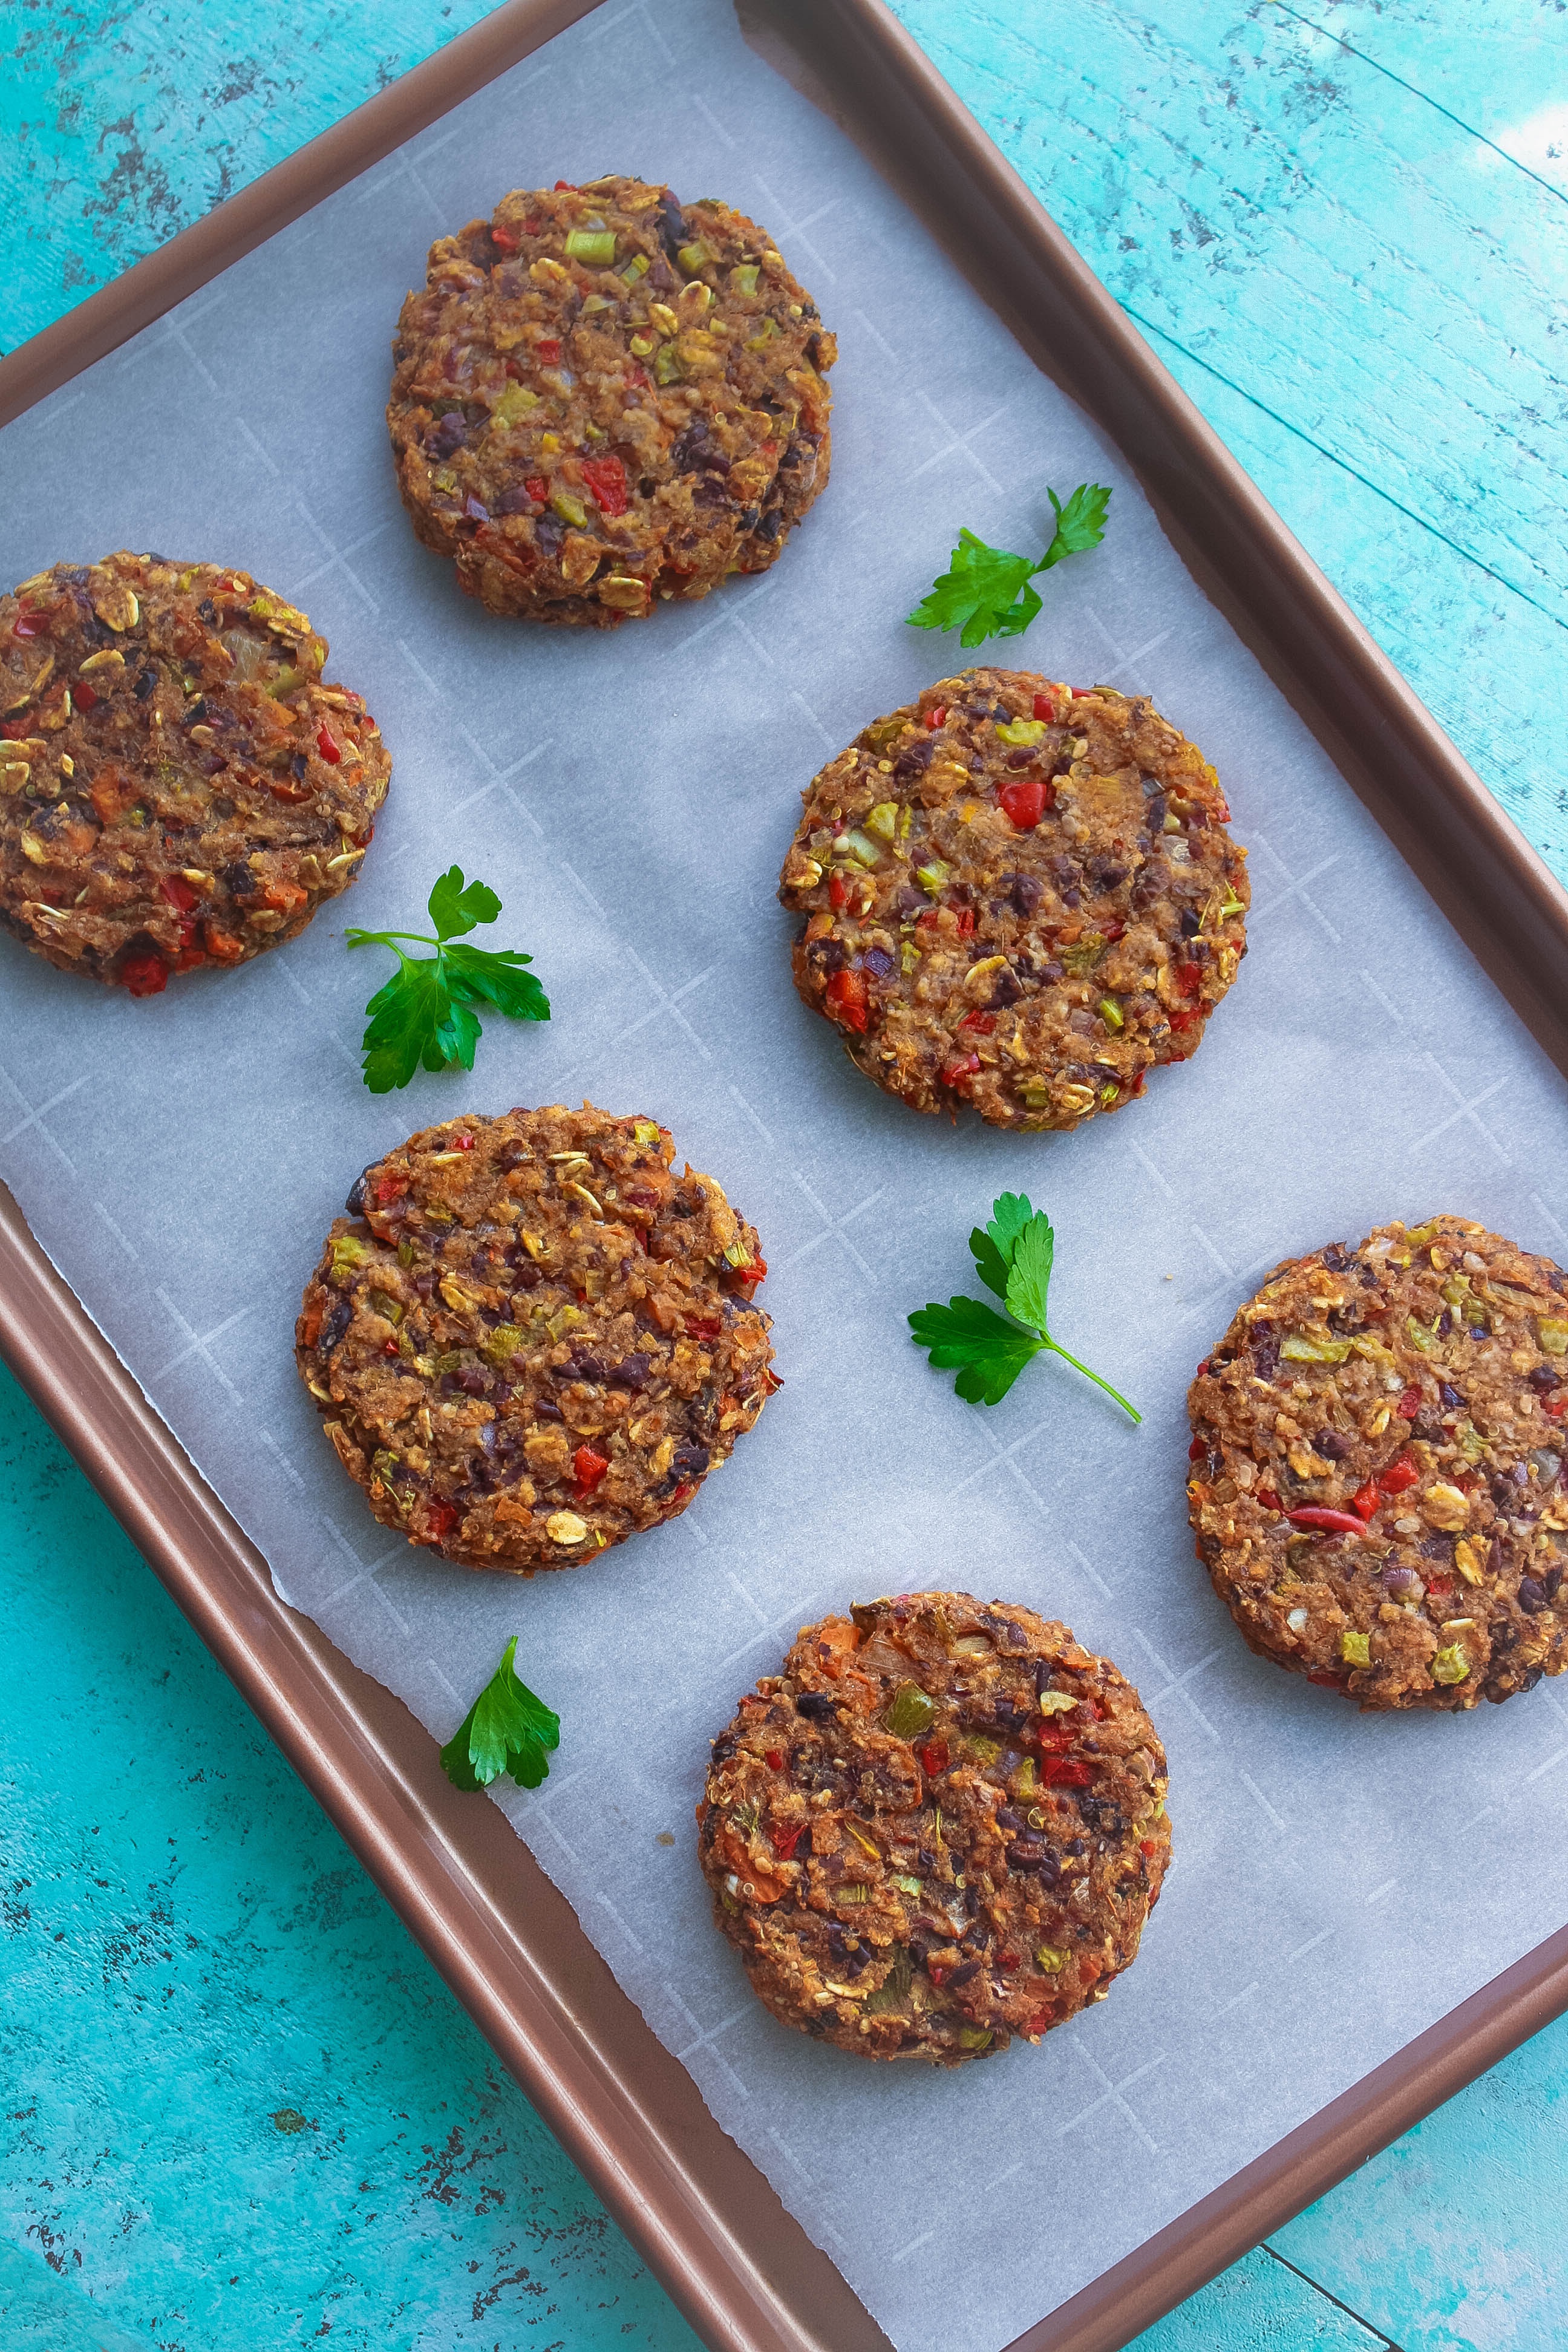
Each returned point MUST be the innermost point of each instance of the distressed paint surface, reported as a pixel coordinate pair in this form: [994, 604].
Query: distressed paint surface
[243, 2109]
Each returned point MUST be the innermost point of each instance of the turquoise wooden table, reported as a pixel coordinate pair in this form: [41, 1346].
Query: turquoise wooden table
[241, 2109]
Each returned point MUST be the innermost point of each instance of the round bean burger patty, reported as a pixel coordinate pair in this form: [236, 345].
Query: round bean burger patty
[942, 1824]
[1377, 1481]
[602, 398]
[1018, 896]
[177, 785]
[532, 1339]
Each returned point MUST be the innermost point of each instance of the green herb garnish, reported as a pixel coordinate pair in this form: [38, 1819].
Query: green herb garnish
[1013, 1257]
[985, 592]
[507, 1729]
[425, 1013]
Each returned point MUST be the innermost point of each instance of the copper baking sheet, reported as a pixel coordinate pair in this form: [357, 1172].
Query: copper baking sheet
[740, 2268]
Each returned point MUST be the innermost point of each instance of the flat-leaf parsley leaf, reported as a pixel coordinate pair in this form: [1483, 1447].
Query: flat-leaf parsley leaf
[1013, 1257]
[985, 592]
[507, 1729]
[425, 1013]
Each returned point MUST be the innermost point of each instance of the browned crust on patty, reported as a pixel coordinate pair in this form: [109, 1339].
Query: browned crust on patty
[585, 437]
[1024, 907]
[178, 786]
[941, 1824]
[1412, 1389]
[530, 1339]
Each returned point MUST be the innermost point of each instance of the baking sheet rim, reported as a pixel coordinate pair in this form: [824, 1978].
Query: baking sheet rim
[735, 2294]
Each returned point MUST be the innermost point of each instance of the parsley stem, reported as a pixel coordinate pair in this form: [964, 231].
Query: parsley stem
[1121, 1400]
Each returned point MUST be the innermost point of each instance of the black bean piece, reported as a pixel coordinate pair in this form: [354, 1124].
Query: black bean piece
[670, 222]
[770, 524]
[584, 1365]
[1543, 1377]
[1265, 1348]
[448, 433]
[1007, 1819]
[1532, 1595]
[816, 1705]
[879, 963]
[909, 901]
[1019, 759]
[546, 1409]
[1532, 1676]
[960, 1976]
[1450, 1396]
[548, 535]
[472, 1382]
[1004, 989]
[632, 1374]
[926, 1859]
[145, 682]
[517, 501]
[1334, 1257]
[1025, 892]
[334, 1323]
[354, 1204]
[1331, 1446]
[1025, 1854]
[690, 1460]
[528, 1275]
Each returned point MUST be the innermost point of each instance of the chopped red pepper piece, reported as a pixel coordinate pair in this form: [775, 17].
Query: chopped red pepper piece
[440, 1518]
[787, 1840]
[837, 891]
[1439, 1587]
[846, 1000]
[1199, 1446]
[327, 745]
[1554, 1406]
[1365, 1499]
[178, 892]
[28, 625]
[1201, 1370]
[606, 478]
[1008, 1961]
[1190, 978]
[1024, 803]
[775, 1761]
[390, 1187]
[965, 923]
[1269, 1499]
[962, 1066]
[1330, 1682]
[637, 375]
[1147, 1847]
[144, 975]
[389, 1348]
[462, 1143]
[507, 239]
[1409, 1404]
[982, 1022]
[1114, 932]
[1185, 1017]
[538, 489]
[1042, 2019]
[83, 695]
[590, 1468]
[1059, 1772]
[1045, 706]
[549, 349]
[1323, 1522]
[1402, 1472]
[701, 1327]
[565, 184]
[933, 1756]
[938, 1974]
[936, 717]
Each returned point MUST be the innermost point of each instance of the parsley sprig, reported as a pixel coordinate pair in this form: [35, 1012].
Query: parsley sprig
[1013, 1257]
[985, 592]
[507, 1729]
[425, 1013]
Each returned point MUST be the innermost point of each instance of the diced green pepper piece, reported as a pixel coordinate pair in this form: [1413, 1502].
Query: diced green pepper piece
[595, 246]
[743, 276]
[636, 267]
[513, 405]
[883, 821]
[1355, 1649]
[390, 1309]
[667, 368]
[907, 1886]
[1300, 1348]
[646, 1130]
[1552, 1335]
[569, 508]
[764, 336]
[908, 1712]
[348, 1252]
[1416, 1333]
[974, 2037]
[1046, 1956]
[1020, 732]
[692, 256]
[503, 1343]
[893, 1992]
[1111, 1013]
[1450, 1665]
[932, 877]
[858, 845]
[1082, 955]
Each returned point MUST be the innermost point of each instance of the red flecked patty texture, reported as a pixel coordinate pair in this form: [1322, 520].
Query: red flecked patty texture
[1377, 1477]
[1017, 895]
[178, 786]
[941, 1825]
[603, 400]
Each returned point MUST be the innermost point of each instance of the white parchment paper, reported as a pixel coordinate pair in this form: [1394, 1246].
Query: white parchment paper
[1339, 1882]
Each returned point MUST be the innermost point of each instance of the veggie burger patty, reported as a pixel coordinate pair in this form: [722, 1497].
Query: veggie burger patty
[941, 1824]
[1377, 1478]
[177, 785]
[602, 398]
[530, 1339]
[1017, 895]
